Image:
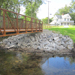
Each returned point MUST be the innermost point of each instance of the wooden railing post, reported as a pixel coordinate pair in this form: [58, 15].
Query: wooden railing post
[25, 25]
[36, 24]
[4, 23]
[31, 25]
[17, 24]
[22, 24]
[8, 24]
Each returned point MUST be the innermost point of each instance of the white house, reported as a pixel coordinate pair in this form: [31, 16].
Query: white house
[62, 20]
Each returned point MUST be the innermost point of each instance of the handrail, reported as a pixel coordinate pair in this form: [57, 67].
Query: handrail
[16, 13]
[17, 25]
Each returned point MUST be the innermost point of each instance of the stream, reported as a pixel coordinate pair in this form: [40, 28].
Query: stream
[18, 63]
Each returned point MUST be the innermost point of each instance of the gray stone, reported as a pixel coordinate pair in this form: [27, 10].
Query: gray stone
[61, 47]
[47, 41]
[10, 46]
[50, 40]
[56, 38]
[69, 47]
[62, 43]
[32, 38]
[38, 47]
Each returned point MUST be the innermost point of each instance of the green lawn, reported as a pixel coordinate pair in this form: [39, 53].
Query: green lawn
[65, 31]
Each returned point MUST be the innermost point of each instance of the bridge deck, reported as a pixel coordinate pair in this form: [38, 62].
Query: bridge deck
[11, 32]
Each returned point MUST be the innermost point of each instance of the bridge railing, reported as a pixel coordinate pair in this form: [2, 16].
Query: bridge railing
[17, 22]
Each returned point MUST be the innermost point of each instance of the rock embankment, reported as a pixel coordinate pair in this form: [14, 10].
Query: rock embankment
[47, 40]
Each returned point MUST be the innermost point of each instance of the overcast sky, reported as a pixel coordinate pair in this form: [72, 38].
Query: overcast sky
[54, 5]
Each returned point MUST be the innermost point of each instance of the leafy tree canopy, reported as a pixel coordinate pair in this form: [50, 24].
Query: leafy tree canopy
[32, 8]
[63, 10]
[73, 6]
[45, 20]
[73, 16]
[14, 5]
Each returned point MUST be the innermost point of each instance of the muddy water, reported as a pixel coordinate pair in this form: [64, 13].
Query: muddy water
[16, 63]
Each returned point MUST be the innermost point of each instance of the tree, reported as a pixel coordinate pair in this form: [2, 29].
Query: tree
[73, 16]
[45, 20]
[63, 10]
[67, 9]
[1, 2]
[12, 5]
[73, 6]
[32, 8]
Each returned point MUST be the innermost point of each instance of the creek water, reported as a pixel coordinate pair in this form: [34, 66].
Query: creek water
[16, 63]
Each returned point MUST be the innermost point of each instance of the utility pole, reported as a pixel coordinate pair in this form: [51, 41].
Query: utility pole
[48, 12]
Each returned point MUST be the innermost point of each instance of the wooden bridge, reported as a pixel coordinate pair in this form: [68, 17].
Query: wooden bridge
[12, 23]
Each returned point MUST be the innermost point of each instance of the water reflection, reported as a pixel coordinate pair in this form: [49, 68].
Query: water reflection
[59, 66]
[16, 63]
[19, 64]
[71, 59]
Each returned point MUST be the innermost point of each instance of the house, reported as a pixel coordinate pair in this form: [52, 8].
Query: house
[62, 20]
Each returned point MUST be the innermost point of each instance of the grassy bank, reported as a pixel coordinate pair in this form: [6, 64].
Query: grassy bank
[65, 31]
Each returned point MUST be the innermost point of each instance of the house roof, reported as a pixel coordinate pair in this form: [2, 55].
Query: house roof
[59, 16]
[63, 16]
[66, 16]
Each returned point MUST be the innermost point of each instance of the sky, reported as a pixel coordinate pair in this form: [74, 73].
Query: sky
[54, 6]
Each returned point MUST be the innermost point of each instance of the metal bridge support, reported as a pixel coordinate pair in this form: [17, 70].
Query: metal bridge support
[4, 23]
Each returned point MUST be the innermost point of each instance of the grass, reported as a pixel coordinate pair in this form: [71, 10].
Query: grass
[64, 31]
